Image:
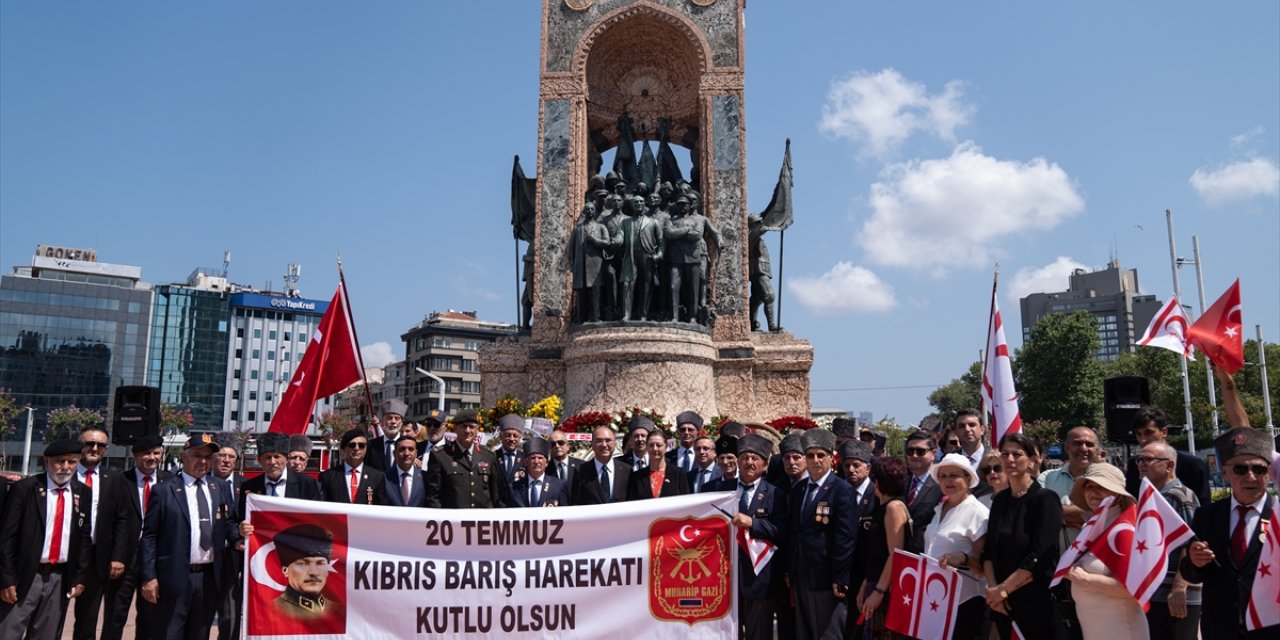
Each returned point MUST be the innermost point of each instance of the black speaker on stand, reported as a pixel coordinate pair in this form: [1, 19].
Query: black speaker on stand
[1122, 398]
[137, 413]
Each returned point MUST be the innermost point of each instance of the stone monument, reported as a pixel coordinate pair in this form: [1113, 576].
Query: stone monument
[668, 323]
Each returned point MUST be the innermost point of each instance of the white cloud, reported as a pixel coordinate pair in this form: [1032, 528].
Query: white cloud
[1237, 181]
[955, 211]
[1242, 139]
[844, 289]
[1050, 278]
[378, 354]
[883, 109]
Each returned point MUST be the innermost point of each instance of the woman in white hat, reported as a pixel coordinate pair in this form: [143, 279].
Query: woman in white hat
[955, 537]
[1106, 608]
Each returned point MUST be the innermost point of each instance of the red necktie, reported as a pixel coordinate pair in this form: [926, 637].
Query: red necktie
[1238, 542]
[55, 543]
[355, 484]
[146, 494]
[88, 478]
[911, 495]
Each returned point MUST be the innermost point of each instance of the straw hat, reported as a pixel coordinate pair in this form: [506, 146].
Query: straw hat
[1106, 476]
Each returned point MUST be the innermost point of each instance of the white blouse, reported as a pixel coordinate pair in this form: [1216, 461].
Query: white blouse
[955, 532]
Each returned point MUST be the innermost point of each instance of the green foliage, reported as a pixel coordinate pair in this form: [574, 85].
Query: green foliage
[961, 393]
[333, 425]
[175, 419]
[67, 422]
[1044, 432]
[1057, 375]
[9, 410]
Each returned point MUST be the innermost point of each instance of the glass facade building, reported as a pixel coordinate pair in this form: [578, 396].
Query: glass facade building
[271, 332]
[71, 332]
[188, 354]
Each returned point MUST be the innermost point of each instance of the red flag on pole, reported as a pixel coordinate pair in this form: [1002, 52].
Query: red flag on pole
[1218, 333]
[330, 364]
[999, 397]
[923, 597]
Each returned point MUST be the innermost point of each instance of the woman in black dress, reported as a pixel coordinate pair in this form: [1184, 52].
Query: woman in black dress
[1022, 544]
[658, 480]
[887, 531]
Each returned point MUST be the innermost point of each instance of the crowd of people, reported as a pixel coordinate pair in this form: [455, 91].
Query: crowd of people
[833, 502]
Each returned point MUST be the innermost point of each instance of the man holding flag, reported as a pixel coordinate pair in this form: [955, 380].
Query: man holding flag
[1230, 534]
[761, 517]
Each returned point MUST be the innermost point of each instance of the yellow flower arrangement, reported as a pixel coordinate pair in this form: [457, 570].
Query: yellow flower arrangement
[548, 407]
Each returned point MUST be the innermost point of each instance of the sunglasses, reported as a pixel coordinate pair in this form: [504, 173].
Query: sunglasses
[992, 469]
[918, 452]
[1150, 459]
[819, 455]
[357, 445]
[1257, 469]
[93, 445]
[559, 443]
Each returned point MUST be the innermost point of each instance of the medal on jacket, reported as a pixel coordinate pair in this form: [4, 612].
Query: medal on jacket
[822, 513]
[369, 494]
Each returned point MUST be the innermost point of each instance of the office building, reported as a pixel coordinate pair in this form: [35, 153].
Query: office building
[269, 334]
[1111, 295]
[445, 344]
[188, 350]
[72, 329]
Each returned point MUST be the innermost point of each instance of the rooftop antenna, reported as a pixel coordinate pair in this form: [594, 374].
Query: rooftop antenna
[291, 275]
[226, 262]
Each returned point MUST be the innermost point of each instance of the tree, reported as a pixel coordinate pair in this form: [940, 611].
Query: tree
[961, 393]
[65, 423]
[175, 419]
[1057, 375]
[332, 426]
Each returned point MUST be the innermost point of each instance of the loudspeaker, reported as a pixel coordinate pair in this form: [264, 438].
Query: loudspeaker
[1122, 397]
[137, 413]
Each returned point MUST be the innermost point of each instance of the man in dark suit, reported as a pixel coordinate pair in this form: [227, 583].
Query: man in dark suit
[727, 463]
[276, 479]
[299, 453]
[136, 487]
[820, 538]
[705, 471]
[189, 529]
[791, 471]
[406, 483]
[923, 493]
[602, 479]
[535, 487]
[562, 465]
[855, 459]
[762, 512]
[353, 482]
[688, 428]
[223, 467]
[1224, 556]
[462, 474]
[1151, 425]
[509, 454]
[381, 455]
[107, 530]
[635, 452]
[44, 546]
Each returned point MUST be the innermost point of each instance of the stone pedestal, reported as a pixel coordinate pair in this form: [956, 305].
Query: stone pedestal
[669, 368]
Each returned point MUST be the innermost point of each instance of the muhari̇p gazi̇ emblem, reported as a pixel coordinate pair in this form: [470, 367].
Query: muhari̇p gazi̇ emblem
[690, 569]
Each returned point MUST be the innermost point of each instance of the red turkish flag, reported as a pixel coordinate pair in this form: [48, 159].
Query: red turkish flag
[1218, 333]
[923, 597]
[330, 364]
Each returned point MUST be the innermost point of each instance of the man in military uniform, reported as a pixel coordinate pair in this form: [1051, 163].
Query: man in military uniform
[461, 474]
[305, 552]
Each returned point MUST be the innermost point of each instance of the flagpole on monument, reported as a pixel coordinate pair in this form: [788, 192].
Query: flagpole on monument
[1266, 390]
[346, 300]
[1186, 380]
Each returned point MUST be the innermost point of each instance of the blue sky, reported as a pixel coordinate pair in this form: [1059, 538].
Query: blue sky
[930, 141]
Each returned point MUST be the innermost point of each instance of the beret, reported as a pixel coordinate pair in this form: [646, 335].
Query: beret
[62, 447]
[466, 415]
[147, 443]
[352, 434]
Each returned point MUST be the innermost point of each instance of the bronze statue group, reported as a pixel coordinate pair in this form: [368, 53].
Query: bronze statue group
[835, 505]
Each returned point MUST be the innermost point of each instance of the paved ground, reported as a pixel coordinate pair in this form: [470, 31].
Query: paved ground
[128, 627]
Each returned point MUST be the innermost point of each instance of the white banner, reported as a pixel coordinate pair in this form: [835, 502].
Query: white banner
[660, 568]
